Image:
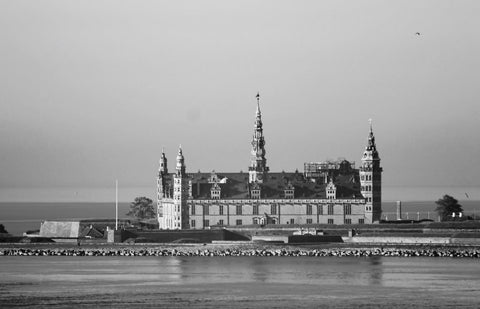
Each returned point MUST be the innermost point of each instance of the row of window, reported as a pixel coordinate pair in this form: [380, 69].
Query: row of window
[215, 194]
[366, 177]
[206, 222]
[347, 208]
[366, 188]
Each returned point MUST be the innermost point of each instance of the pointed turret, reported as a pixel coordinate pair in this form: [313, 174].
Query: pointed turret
[163, 169]
[258, 163]
[180, 162]
[371, 149]
[162, 189]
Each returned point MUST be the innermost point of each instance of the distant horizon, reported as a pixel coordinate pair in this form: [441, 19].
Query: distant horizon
[127, 194]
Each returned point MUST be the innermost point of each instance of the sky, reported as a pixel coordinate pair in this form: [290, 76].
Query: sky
[91, 91]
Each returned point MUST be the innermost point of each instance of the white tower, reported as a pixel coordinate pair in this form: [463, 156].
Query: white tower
[180, 194]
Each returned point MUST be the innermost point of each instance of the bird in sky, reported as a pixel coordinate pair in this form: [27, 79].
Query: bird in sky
[417, 33]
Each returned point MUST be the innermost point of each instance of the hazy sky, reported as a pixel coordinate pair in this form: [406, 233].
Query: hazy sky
[91, 91]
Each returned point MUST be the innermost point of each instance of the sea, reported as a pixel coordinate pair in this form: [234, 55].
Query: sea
[239, 282]
[24, 210]
[229, 282]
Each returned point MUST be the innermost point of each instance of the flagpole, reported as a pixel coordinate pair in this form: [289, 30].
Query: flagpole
[116, 204]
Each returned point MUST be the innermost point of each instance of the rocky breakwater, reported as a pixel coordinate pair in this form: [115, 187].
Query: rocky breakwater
[231, 252]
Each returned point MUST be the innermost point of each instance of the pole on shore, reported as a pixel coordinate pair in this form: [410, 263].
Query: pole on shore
[116, 204]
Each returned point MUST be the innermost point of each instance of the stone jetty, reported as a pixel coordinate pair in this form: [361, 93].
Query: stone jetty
[232, 252]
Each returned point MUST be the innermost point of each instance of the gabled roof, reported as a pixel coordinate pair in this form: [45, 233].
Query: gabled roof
[91, 231]
[236, 186]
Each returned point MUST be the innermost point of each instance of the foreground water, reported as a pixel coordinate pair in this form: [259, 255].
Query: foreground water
[239, 282]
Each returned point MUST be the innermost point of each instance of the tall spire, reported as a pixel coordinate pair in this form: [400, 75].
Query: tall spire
[371, 142]
[258, 105]
[258, 163]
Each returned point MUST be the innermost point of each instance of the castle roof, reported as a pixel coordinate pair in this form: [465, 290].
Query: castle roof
[237, 186]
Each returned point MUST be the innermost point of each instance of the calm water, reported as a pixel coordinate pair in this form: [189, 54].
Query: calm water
[20, 217]
[240, 282]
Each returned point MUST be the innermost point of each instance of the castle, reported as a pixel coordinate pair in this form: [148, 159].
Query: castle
[325, 193]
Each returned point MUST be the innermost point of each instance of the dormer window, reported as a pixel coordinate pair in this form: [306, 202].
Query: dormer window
[215, 192]
[289, 191]
[289, 194]
[331, 190]
[255, 191]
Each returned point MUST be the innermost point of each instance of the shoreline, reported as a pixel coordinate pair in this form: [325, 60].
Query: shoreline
[244, 249]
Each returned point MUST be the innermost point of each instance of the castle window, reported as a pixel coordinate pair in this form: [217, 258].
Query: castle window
[215, 195]
[255, 209]
[215, 191]
[220, 210]
[255, 221]
[220, 222]
[206, 223]
[206, 210]
[320, 209]
[193, 210]
[238, 222]
[192, 224]
[292, 221]
[239, 210]
[309, 209]
[330, 209]
[255, 194]
[348, 221]
[273, 209]
[361, 221]
[330, 221]
[309, 221]
[289, 194]
[347, 209]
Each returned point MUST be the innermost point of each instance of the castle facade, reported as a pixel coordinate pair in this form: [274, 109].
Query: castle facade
[325, 193]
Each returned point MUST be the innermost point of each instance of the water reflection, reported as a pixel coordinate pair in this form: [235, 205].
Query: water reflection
[218, 280]
[375, 270]
[344, 271]
[259, 270]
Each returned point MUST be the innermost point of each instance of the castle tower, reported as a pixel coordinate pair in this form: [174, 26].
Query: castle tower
[180, 195]
[162, 190]
[161, 178]
[371, 180]
[258, 163]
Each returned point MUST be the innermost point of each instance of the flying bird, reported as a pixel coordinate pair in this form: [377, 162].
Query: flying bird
[467, 195]
[418, 33]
